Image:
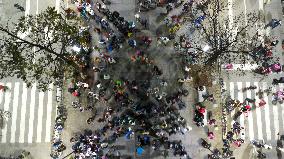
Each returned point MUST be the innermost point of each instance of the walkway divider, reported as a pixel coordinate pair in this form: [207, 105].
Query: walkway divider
[245, 67]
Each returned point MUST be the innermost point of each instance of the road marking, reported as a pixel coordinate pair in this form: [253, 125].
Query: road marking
[241, 99]
[281, 86]
[250, 118]
[266, 114]
[275, 120]
[260, 3]
[48, 112]
[23, 114]
[205, 118]
[231, 19]
[15, 111]
[32, 108]
[245, 9]
[1, 94]
[36, 6]
[232, 94]
[6, 107]
[258, 114]
[245, 67]
[232, 89]
[28, 7]
[57, 5]
[40, 116]
[230, 13]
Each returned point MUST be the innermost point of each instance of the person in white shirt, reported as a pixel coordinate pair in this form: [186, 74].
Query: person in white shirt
[137, 17]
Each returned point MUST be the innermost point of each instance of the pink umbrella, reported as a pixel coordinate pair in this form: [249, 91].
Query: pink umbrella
[104, 157]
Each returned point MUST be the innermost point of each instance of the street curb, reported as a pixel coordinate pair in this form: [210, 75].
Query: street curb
[57, 135]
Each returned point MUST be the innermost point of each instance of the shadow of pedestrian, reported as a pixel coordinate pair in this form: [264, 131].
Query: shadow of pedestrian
[120, 147]
[278, 152]
[161, 30]
[126, 157]
[160, 17]
[237, 115]
[157, 153]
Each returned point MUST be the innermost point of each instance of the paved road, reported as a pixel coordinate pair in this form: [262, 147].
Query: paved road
[33, 112]
[261, 123]
[266, 128]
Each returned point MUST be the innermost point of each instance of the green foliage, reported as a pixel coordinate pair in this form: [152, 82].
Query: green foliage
[37, 48]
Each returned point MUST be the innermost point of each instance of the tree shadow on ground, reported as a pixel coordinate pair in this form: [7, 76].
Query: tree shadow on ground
[160, 17]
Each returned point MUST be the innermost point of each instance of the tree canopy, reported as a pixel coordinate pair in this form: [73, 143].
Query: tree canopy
[37, 48]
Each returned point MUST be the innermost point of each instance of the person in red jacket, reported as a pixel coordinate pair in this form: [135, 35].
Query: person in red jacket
[261, 102]
[4, 88]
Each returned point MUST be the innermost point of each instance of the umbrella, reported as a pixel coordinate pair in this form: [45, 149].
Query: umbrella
[104, 157]
[127, 135]
[202, 110]
[115, 14]
[139, 150]
[109, 48]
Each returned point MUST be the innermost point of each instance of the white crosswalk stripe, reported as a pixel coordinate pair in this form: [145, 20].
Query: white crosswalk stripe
[232, 94]
[258, 114]
[32, 114]
[262, 122]
[28, 7]
[15, 112]
[250, 119]
[282, 112]
[275, 121]
[240, 98]
[6, 108]
[31, 117]
[48, 112]
[23, 115]
[266, 115]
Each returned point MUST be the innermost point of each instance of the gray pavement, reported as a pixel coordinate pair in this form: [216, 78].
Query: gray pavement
[127, 9]
[31, 126]
[262, 123]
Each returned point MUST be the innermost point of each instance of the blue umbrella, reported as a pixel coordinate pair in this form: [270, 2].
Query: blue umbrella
[132, 42]
[198, 21]
[127, 135]
[110, 48]
[139, 150]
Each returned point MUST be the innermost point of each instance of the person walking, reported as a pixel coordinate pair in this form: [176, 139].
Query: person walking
[273, 23]
[261, 103]
[4, 88]
[137, 17]
[211, 135]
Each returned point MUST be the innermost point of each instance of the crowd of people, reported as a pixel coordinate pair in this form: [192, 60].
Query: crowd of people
[139, 108]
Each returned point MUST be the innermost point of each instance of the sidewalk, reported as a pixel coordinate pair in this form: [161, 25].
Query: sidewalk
[273, 10]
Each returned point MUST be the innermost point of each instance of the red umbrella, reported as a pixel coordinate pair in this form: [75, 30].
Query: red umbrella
[1, 87]
[202, 110]
[104, 157]
[75, 93]
[247, 107]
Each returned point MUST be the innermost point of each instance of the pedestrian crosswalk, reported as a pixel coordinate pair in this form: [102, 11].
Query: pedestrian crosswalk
[262, 122]
[32, 113]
